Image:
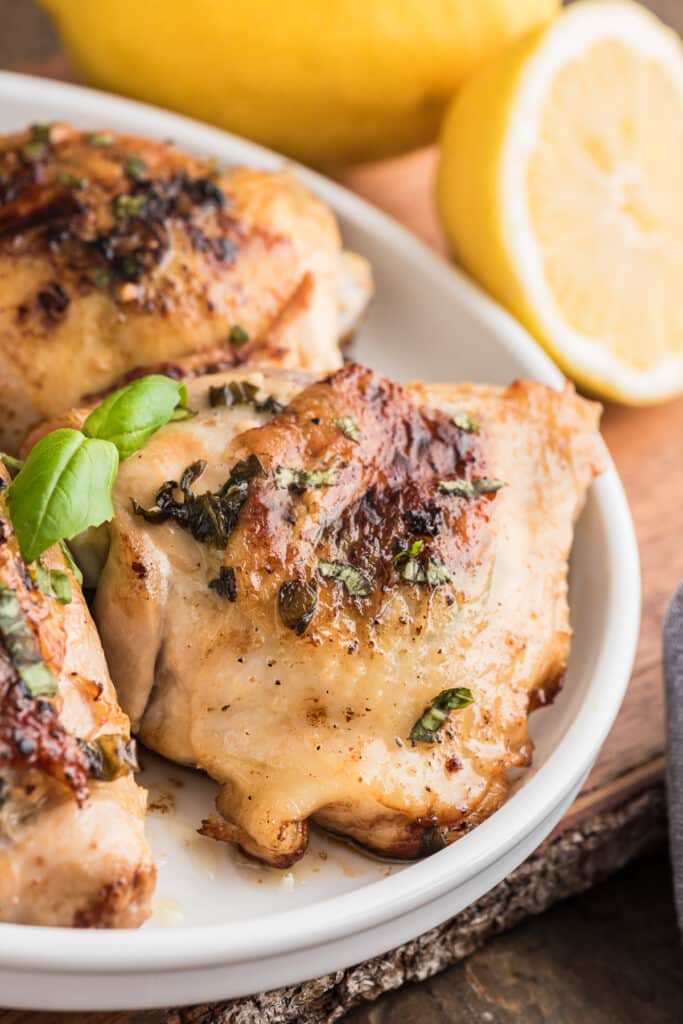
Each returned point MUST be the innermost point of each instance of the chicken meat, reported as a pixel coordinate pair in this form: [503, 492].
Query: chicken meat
[341, 598]
[72, 819]
[117, 253]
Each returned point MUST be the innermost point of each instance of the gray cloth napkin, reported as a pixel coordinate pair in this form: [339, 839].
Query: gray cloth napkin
[673, 673]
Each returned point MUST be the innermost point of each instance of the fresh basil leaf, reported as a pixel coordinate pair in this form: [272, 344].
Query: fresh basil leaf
[64, 486]
[130, 416]
[53, 583]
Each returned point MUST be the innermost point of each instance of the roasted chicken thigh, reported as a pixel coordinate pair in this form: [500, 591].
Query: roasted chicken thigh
[72, 840]
[342, 598]
[117, 253]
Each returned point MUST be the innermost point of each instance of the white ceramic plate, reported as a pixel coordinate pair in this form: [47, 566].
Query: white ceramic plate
[223, 927]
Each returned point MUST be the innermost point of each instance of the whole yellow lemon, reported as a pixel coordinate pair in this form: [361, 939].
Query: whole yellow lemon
[325, 81]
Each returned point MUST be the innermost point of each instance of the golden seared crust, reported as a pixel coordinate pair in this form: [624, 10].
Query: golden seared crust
[72, 848]
[118, 253]
[235, 650]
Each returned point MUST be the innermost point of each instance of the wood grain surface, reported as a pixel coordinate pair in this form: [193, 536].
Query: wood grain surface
[647, 445]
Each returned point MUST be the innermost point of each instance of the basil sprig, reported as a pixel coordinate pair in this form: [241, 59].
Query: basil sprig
[66, 483]
[130, 416]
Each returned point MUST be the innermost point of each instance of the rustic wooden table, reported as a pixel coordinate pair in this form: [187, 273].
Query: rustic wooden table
[611, 955]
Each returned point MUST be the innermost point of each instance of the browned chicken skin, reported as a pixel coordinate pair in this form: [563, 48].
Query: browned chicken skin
[234, 649]
[118, 253]
[72, 848]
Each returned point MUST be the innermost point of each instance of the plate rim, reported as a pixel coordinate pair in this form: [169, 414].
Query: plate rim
[53, 950]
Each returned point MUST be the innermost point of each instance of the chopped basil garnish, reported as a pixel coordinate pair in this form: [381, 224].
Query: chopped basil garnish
[210, 517]
[463, 421]
[407, 553]
[22, 646]
[297, 602]
[238, 335]
[243, 392]
[349, 427]
[69, 559]
[412, 566]
[225, 584]
[36, 147]
[356, 583]
[302, 479]
[434, 717]
[69, 180]
[136, 168]
[100, 277]
[128, 206]
[101, 139]
[470, 488]
[53, 583]
[110, 756]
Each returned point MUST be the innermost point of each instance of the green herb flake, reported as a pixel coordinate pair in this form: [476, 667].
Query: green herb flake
[100, 276]
[463, 421]
[470, 488]
[110, 756]
[101, 139]
[32, 151]
[297, 601]
[68, 180]
[355, 582]
[349, 428]
[36, 147]
[287, 479]
[127, 206]
[225, 584]
[42, 132]
[487, 485]
[238, 336]
[434, 717]
[407, 553]
[22, 646]
[243, 392]
[69, 559]
[53, 583]
[136, 168]
[210, 517]
[413, 567]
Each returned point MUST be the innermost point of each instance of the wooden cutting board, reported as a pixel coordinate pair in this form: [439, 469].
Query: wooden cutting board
[620, 809]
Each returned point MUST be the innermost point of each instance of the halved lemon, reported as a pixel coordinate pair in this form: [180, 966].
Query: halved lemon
[561, 187]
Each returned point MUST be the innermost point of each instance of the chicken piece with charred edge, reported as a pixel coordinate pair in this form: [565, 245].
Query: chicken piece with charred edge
[341, 598]
[73, 851]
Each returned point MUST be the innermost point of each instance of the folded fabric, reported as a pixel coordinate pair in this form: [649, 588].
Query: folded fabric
[673, 672]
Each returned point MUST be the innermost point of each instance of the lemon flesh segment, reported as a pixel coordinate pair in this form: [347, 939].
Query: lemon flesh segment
[585, 208]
